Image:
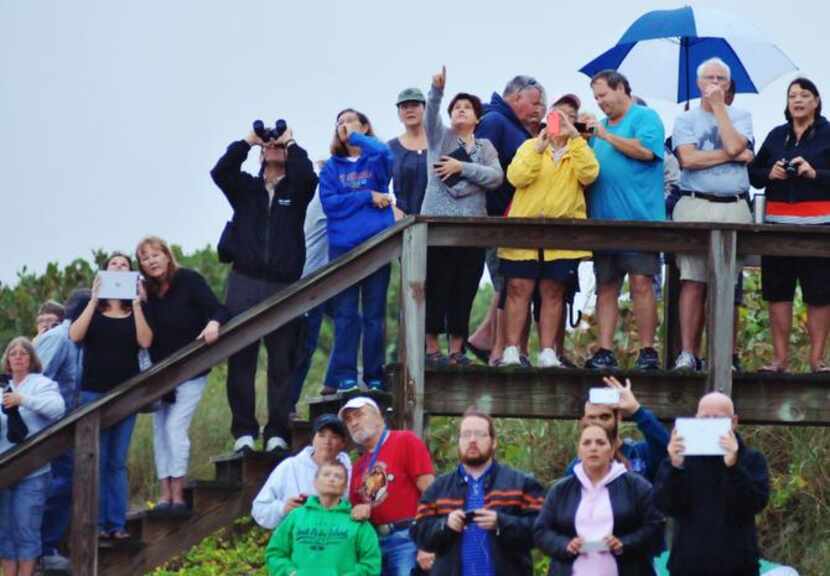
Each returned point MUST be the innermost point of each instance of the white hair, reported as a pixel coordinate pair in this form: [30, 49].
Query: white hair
[717, 61]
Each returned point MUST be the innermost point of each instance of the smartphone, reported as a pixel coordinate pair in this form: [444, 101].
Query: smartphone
[604, 396]
[469, 516]
[553, 123]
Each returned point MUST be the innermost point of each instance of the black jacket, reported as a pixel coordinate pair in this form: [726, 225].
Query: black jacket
[264, 244]
[516, 497]
[781, 144]
[637, 524]
[714, 508]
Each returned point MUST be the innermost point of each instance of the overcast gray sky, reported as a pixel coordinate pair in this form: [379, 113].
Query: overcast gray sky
[113, 112]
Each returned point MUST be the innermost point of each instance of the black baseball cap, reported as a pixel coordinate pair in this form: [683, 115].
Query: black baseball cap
[331, 422]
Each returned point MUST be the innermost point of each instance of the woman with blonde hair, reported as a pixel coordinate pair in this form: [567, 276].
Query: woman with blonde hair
[182, 308]
[31, 401]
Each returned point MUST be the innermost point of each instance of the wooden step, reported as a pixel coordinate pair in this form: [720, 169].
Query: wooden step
[331, 404]
[251, 468]
[300, 435]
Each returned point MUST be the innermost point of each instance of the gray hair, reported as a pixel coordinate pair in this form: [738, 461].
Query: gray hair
[717, 61]
[522, 82]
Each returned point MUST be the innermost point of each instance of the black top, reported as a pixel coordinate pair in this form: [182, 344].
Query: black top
[181, 314]
[714, 508]
[110, 352]
[264, 243]
[409, 173]
[781, 143]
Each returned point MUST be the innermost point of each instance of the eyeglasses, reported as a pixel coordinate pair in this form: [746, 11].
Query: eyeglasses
[477, 434]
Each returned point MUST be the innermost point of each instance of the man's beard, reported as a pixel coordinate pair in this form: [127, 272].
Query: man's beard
[367, 431]
[482, 457]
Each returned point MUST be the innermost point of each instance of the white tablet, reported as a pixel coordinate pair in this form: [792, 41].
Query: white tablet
[701, 436]
[118, 285]
[604, 396]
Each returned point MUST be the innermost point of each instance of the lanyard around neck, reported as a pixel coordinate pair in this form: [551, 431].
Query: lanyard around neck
[374, 458]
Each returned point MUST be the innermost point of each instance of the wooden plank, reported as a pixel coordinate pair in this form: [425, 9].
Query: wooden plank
[768, 399]
[413, 287]
[720, 295]
[196, 358]
[671, 313]
[84, 539]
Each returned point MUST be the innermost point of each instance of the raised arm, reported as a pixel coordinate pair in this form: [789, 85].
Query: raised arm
[228, 174]
[78, 329]
[433, 125]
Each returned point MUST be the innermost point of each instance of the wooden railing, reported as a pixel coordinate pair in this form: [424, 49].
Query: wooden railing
[409, 239]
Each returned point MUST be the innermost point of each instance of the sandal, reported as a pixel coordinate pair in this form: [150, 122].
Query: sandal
[435, 359]
[482, 354]
[459, 359]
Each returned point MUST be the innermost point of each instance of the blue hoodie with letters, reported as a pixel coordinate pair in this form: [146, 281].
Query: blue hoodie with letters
[346, 187]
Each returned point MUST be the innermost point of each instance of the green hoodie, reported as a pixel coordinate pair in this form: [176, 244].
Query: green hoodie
[313, 541]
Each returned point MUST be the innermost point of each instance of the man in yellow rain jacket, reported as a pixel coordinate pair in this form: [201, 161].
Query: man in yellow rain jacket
[550, 173]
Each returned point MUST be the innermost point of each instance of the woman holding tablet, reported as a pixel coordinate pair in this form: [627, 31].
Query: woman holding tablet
[112, 334]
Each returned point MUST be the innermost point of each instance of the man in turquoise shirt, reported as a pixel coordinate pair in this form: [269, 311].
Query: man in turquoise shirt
[628, 144]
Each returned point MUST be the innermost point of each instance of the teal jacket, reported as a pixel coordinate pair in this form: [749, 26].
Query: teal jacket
[315, 541]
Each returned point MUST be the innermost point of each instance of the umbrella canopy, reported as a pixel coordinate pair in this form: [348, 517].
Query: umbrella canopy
[661, 50]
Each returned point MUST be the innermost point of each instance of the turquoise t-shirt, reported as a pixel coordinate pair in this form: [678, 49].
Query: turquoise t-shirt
[629, 189]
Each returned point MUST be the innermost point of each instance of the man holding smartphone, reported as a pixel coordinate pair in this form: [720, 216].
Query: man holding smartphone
[713, 500]
[629, 146]
[479, 518]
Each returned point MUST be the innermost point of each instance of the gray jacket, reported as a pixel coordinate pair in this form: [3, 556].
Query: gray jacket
[467, 197]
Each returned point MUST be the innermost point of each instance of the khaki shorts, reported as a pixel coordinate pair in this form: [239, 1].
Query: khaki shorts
[694, 267]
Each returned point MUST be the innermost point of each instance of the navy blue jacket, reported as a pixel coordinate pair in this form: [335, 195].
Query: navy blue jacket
[516, 497]
[263, 243]
[502, 128]
[643, 457]
[714, 509]
[637, 523]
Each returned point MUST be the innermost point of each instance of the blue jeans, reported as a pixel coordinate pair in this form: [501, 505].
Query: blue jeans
[314, 320]
[59, 503]
[113, 488]
[370, 295]
[398, 551]
[21, 514]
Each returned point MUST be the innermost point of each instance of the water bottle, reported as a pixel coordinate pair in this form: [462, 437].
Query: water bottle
[759, 208]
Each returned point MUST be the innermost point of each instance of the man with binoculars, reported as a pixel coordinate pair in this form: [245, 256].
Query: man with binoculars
[265, 243]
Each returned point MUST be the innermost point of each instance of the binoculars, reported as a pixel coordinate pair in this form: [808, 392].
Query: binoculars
[268, 134]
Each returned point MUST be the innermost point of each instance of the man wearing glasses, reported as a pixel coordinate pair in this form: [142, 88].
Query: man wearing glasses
[480, 516]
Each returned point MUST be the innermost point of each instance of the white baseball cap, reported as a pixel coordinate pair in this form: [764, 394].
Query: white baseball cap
[358, 402]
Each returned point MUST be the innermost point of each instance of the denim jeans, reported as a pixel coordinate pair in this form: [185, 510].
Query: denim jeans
[21, 514]
[314, 321]
[113, 491]
[398, 551]
[59, 503]
[369, 295]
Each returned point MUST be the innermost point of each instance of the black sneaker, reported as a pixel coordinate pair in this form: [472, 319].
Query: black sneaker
[565, 362]
[647, 360]
[604, 359]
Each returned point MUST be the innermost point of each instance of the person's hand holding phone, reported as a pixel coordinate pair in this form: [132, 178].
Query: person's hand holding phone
[447, 166]
[456, 520]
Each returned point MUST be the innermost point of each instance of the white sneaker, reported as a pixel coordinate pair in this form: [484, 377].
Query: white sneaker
[510, 356]
[56, 563]
[548, 359]
[685, 361]
[276, 443]
[244, 444]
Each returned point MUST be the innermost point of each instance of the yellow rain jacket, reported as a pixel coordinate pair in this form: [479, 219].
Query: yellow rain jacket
[548, 188]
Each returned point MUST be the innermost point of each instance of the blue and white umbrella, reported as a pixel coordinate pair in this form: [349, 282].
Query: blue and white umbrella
[661, 50]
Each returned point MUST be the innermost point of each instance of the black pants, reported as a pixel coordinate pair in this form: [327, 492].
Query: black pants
[284, 347]
[453, 275]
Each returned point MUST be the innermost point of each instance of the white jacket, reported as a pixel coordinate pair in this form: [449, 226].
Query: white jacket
[42, 405]
[292, 477]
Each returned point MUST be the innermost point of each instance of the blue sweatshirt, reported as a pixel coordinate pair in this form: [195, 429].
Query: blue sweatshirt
[346, 188]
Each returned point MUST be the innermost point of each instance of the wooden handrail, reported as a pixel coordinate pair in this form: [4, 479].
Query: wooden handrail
[241, 331]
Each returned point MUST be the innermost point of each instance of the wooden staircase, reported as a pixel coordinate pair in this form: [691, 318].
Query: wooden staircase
[157, 537]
